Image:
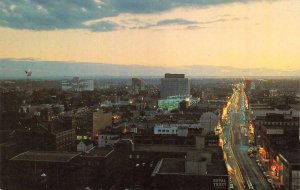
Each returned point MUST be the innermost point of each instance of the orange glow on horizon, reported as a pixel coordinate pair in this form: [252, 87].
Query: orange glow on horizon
[259, 34]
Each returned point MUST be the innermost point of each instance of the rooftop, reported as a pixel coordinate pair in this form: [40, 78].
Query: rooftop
[174, 148]
[85, 141]
[295, 106]
[43, 156]
[292, 157]
[217, 168]
[274, 117]
[99, 152]
[163, 148]
[169, 75]
[172, 165]
[177, 166]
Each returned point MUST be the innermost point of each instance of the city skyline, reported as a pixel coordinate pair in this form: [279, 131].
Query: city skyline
[172, 34]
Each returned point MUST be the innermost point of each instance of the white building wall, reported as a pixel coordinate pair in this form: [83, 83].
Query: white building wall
[82, 147]
[161, 129]
[107, 139]
[87, 85]
[173, 129]
[134, 130]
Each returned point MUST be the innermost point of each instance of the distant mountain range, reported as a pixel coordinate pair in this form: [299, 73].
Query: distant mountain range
[15, 69]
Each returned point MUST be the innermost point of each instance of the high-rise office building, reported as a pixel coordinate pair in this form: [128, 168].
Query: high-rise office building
[174, 85]
[137, 85]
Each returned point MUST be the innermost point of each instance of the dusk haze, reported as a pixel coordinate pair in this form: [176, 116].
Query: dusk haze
[240, 34]
[150, 94]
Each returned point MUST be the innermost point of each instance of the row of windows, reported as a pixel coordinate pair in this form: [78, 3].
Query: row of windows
[296, 173]
[167, 130]
[63, 144]
[295, 179]
[64, 140]
[278, 123]
[72, 135]
[179, 142]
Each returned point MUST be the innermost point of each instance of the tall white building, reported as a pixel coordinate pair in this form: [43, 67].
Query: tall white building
[86, 85]
[174, 85]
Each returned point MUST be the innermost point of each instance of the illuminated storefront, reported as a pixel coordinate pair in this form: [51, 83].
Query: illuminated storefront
[169, 104]
[172, 103]
[276, 167]
[263, 154]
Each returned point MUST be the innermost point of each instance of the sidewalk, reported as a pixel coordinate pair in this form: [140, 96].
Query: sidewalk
[269, 174]
[275, 180]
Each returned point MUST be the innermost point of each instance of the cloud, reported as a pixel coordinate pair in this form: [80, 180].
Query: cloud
[72, 14]
[167, 22]
[50, 15]
[42, 9]
[103, 26]
[12, 7]
[176, 21]
[152, 6]
[193, 27]
[190, 24]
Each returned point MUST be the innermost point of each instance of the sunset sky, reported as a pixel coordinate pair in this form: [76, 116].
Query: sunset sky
[172, 33]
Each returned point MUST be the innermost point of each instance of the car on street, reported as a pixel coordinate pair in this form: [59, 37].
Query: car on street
[270, 180]
[261, 168]
[250, 151]
[266, 174]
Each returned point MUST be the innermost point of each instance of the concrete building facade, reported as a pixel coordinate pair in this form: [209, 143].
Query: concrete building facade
[174, 85]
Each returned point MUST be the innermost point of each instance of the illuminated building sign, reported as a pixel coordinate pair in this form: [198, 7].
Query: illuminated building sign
[275, 132]
[220, 182]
